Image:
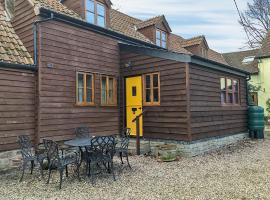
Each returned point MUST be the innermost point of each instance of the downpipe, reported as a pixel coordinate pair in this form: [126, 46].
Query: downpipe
[247, 92]
[35, 27]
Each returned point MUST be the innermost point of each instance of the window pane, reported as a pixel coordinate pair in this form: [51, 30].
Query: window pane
[89, 87]
[100, 10]
[134, 91]
[89, 81]
[80, 95]
[163, 36]
[229, 84]
[156, 95]
[163, 44]
[223, 97]
[103, 90]
[90, 6]
[235, 85]
[155, 80]
[148, 95]
[147, 81]
[230, 98]
[236, 98]
[101, 21]
[111, 83]
[158, 35]
[90, 17]
[222, 84]
[89, 97]
[80, 81]
[158, 42]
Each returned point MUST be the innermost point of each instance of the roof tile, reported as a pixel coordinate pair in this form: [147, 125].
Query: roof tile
[11, 48]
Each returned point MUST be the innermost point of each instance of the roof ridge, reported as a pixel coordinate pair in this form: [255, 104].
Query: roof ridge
[149, 19]
[196, 37]
[241, 51]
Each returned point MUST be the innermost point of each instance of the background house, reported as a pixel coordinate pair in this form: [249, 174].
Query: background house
[256, 62]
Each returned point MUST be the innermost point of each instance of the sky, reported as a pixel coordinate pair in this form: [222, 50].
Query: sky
[216, 19]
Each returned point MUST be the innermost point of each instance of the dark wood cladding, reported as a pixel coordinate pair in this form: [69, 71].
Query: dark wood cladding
[169, 120]
[17, 106]
[23, 23]
[208, 116]
[70, 49]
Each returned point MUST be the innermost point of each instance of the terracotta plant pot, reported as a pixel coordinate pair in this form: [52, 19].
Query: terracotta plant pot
[167, 152]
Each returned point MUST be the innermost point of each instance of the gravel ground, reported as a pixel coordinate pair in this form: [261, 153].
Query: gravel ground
[239, 171]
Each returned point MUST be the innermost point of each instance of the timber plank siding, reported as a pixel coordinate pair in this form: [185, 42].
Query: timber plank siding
[169, 119]
[208, 117]
[70, 49]
[17, 106]
[22, 23]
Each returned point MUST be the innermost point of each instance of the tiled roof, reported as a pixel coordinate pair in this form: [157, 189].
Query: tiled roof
[235, 59]
[265, 49]
[149, 22]
[11, 47]
[129, 26]
[193, 41]
[56, 6]
[215, 56]
[153, 21]
[175, 44]
[126, 25]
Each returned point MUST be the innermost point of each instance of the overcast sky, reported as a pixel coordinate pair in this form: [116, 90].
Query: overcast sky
[216, 19]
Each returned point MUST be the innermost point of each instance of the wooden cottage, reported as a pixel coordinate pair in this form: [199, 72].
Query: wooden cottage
[98, 67]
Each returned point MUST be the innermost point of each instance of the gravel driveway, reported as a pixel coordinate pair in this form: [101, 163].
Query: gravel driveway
[240, 171]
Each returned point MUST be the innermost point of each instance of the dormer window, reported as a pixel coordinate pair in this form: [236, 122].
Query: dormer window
[161, 38]
[95, 13]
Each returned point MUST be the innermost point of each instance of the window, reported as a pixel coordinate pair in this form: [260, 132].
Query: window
[151, 89]
[229, 91]
[95, 12]
[248, 60]
[10, 8]
[161, 39]
[108, 90]
[85, 88]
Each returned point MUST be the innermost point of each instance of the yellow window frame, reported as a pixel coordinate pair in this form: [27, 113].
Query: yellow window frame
[152, 102]
[84, 102]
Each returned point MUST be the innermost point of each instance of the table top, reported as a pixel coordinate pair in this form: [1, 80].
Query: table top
[79, 142]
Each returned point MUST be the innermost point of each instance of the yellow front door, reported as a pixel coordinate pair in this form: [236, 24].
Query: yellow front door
[134, 103]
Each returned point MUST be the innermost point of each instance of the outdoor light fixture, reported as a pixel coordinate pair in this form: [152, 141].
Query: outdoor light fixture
[128, 65]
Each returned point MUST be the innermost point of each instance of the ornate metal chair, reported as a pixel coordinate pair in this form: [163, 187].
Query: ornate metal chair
[122, 149]
[60, 161]
[82, 132]
[29, 156]
[101, 152]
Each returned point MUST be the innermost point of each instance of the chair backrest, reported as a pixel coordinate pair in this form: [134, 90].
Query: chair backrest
[51, 148]
[125, 137]
[25, 146]
[82, 132]
[47, 143]
[103, 145]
